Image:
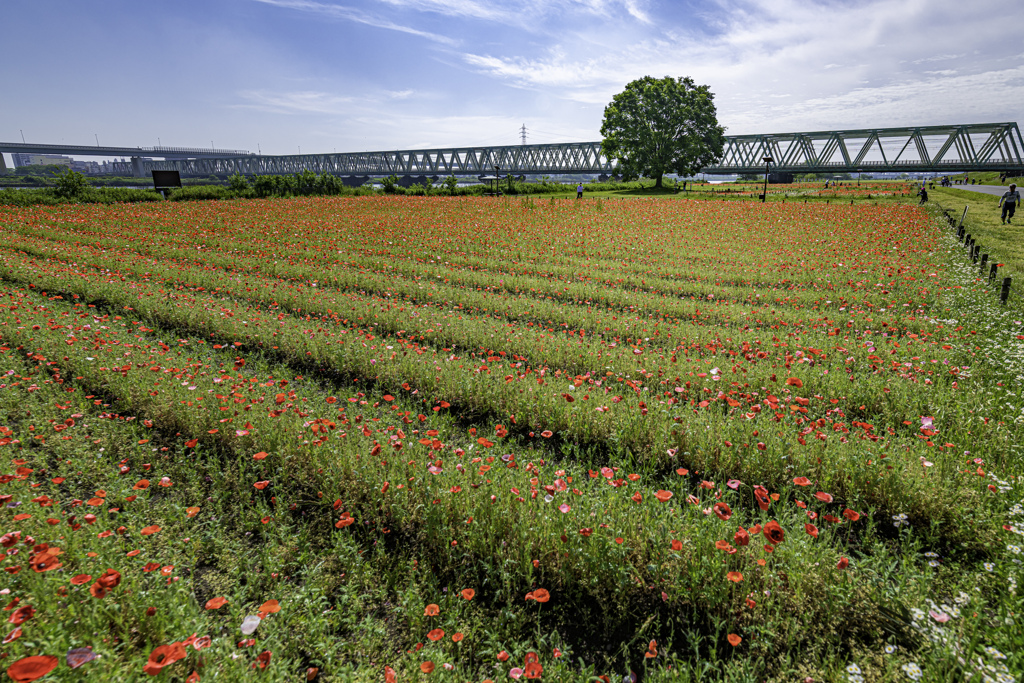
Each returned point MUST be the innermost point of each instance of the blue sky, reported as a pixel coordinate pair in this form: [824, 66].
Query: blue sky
[355, 75]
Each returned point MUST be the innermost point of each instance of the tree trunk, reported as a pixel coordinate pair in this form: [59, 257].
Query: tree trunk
[657, 181]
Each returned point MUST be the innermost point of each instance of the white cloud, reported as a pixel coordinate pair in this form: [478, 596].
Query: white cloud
[295, 102]
[351, 14]
[854, 65]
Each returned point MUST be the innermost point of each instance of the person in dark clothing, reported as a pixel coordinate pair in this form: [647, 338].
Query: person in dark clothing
[1009, 202]
[923, 194]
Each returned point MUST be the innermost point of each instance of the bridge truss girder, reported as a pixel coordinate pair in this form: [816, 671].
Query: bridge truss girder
[941, 149]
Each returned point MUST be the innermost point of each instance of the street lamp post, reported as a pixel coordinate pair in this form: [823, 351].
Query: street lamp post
[767, 163]
[497, 180]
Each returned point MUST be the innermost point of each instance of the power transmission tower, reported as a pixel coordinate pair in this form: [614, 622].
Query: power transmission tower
[522, 134]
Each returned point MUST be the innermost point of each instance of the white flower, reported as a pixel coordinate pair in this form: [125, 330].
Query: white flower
[989, 567]
[913, 671]
[249, 624]
[889, 649]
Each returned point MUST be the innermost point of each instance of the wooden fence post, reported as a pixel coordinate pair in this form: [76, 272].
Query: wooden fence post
[1004, 294]
[984, 262]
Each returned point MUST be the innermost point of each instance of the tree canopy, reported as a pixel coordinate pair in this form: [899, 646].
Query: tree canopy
[657, 126]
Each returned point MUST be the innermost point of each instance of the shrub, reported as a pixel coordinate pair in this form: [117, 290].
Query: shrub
[197, 192]
[238, 183]
[70, 184]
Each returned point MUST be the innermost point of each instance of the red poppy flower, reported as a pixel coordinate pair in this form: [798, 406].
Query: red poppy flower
[193, 677]
[823, 497]
[260, 456]
[735, 577]
[262, 660]
[389, 675]
[31, 668]
[468, 593]
[431, 610]
[663, 496]
[676, 544]
[261, 485]
[21, 615]
[547, 434]
[456, 637]
[741, 537]
[503, 656]
[109, 579]
[192, 511]
[141, 484]
[216, 603]
[532, 667]
[774, 533]
[149, 530]
[802, 481]
[851, 515]
[843, 563]
[270, 607]
[723, 510]
[734, 639]
[652, 650]
[81, 579]
[427, 667]
[345, 521]
[722, 545]
[761, 495]
[811, 529]
[795, 382]
[44, 562]
[637, 497]
[13, 635]
[164, 655]
[436, 634]
[540, 595]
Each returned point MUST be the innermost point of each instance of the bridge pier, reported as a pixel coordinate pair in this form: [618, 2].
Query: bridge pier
[3, 164]
[137, 170]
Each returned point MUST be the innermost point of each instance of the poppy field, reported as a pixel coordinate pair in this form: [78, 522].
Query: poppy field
[469, 439]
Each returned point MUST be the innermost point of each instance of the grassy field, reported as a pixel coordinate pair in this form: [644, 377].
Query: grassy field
[982, 223]
[468, 439]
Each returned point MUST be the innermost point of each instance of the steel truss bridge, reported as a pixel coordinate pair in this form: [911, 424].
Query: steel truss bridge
[929, 149]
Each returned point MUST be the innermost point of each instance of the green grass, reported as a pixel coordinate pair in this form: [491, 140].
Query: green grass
[1001, 241]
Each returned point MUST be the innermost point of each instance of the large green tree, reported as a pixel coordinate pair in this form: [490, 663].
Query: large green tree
[658, 126]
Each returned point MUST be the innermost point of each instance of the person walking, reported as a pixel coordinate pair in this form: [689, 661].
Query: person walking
[923, 194]
[579, 191]
[1009, 202]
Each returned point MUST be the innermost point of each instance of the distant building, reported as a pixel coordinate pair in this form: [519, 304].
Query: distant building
[40, 160]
